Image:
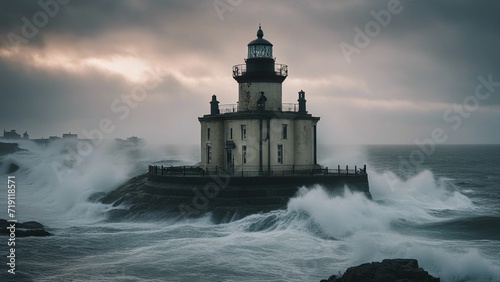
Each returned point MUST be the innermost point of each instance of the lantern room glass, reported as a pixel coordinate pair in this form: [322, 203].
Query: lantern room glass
[260, 51]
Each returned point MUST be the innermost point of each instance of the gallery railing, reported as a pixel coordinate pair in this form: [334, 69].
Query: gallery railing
[241, 70]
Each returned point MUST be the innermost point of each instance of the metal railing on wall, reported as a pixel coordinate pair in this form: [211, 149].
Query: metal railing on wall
[251, 171]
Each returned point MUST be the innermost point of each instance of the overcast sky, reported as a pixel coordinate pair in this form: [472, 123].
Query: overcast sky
[374, 71]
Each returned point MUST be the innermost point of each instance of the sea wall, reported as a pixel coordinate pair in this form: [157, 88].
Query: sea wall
[251, 190]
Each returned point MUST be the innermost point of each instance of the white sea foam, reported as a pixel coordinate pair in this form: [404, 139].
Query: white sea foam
[342, 216]
[366, 226]
[54, 182]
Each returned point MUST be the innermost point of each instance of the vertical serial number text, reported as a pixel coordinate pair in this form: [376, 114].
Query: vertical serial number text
[11, 213]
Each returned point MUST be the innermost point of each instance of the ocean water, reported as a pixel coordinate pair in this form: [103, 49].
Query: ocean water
[440, 205]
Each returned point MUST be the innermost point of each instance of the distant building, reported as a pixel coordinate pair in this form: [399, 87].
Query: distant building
[11, 134]
[130, 140]
[134, 139]
[70, 135]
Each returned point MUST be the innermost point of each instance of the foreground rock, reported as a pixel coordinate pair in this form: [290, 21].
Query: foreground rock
[389, 270]
[26, 229]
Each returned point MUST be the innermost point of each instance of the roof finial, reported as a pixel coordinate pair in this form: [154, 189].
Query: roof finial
[260, 33]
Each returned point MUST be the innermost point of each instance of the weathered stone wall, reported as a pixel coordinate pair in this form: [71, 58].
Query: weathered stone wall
[248, 95]
[304, 142]
[216, 142]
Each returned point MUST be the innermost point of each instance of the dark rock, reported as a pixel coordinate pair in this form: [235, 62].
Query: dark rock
[12, 168]
[127, 192]
[389, 270]
[96, 197]
[30, 225]
[8, 166]
[9, 148]
[26, 229]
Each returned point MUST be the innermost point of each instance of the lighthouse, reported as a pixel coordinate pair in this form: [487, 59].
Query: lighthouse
[255, 153]
[259, 135]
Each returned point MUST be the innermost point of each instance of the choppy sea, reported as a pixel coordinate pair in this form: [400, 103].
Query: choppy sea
[438, 204]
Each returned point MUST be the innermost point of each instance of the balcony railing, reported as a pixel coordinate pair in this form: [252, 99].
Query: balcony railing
[289, 107]
[228, 108]
[233, 108]
[241, 70]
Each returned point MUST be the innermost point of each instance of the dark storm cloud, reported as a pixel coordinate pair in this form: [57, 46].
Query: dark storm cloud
[442, 45]
[168, 26]
[460, 38]
[90, 18]
[55, 95]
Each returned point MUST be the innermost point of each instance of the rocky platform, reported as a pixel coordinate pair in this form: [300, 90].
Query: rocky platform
[133, 200]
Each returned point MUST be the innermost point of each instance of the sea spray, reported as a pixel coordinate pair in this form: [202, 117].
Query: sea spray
[421, 195]
[62, 196]
[342, 216]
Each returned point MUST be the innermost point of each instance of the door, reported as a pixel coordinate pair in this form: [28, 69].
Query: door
[229, 161]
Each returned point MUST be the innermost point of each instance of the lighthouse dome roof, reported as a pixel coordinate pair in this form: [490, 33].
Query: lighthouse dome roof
[260, 40]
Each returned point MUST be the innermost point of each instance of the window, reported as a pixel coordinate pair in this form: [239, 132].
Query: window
[231, 133]
[209, 154]
[244, 154]
[284, 131]
[243, 132]
[208, 133]
[280, 154]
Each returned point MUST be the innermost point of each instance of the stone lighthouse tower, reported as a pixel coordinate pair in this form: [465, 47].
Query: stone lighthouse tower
[260, 77]
[259, 135]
